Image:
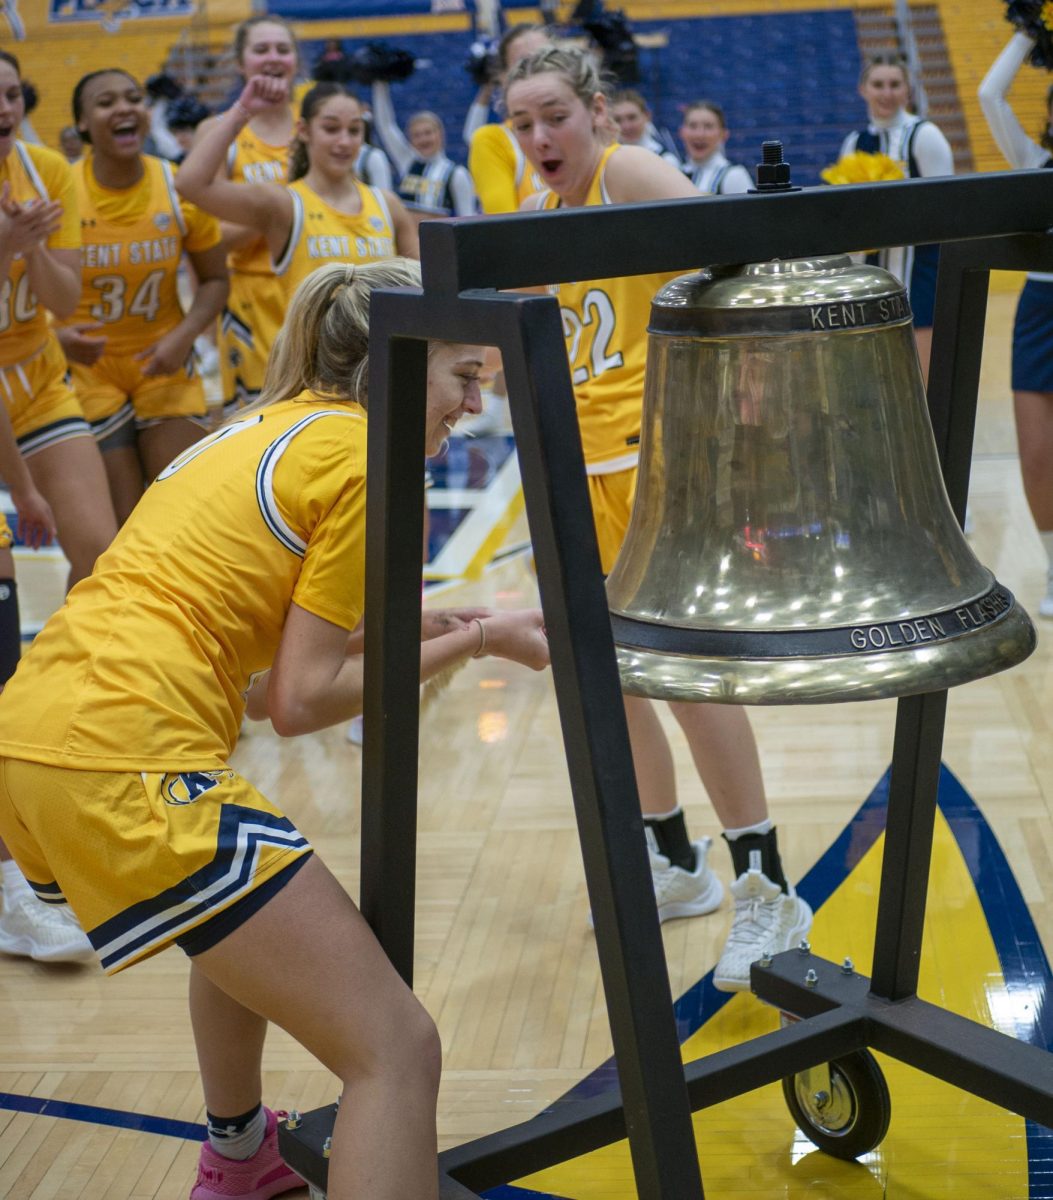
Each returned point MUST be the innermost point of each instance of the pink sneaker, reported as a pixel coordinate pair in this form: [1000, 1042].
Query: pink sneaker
[256, 1178]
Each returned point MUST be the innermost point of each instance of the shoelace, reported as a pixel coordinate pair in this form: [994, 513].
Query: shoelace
[754, 908]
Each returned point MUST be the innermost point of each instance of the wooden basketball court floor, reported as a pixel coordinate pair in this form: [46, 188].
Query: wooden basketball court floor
[99, 1094]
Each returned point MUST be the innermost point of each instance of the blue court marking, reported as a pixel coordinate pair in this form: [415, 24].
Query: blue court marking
[1025, 966]
[187, 1131]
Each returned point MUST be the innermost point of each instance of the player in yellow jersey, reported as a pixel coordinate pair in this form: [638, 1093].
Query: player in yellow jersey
[130, 344]
[503, 175]
[40, 272]
[263, 45]
[325, 214]
[559, 112]
[242, 568]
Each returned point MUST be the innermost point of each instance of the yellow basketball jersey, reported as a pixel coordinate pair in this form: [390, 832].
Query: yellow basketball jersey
[145, 666]
[501, 172]
[322, 234]
[605, 325]
[33, 173]
[252, 160]
[132, 243]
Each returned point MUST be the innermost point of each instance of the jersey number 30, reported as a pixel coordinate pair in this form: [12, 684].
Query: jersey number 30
[597, 316]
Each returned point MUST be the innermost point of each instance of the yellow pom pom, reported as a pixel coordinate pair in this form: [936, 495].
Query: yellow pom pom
[863, 167]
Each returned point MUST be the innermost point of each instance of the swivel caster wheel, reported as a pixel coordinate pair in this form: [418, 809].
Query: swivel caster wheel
[843, 1106]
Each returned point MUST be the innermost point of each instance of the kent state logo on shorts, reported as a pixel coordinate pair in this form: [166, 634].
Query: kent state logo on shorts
[110, 13]
[190, 786]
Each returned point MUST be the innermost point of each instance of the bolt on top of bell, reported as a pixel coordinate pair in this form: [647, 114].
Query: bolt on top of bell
[791, 539]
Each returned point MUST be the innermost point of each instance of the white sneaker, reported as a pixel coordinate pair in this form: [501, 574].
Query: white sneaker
[767, 920]
[1045, 607]
[683, 893]
[46, 932]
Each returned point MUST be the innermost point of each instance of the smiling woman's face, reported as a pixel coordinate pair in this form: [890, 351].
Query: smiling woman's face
[113, 114]
[453, 390]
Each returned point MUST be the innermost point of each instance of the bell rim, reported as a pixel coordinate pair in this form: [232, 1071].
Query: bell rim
[823, 679]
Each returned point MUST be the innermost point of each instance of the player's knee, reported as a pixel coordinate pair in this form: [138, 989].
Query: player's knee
[419, 1050]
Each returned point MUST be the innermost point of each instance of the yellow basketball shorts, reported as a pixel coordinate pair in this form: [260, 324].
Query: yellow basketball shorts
[250, 322]
[40, 402]
[109, 385]
[147, 860]
[6, 536]
[612, 504]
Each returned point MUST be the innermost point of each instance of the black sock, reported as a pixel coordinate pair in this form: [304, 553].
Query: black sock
[671, 835]
[230, 1127]
[10, 630]
[765, 844]
[237, 1138]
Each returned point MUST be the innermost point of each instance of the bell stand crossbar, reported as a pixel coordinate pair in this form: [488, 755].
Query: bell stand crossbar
[995, 220]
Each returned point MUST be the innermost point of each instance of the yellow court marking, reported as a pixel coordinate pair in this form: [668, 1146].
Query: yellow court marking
[942, 1142]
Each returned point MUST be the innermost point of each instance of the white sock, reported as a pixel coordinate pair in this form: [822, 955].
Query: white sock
[1047, 543]
[764, 826]
[14, 883]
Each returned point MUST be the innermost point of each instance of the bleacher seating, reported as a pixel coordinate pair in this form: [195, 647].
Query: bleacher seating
[791, 76]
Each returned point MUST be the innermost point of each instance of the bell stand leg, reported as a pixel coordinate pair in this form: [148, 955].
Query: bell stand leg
[1016, 1076]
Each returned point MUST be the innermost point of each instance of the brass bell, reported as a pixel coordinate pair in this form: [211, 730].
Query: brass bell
[791, 539]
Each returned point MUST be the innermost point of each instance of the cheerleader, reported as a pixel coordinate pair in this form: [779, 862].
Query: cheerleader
[325, 213]
[560, 116]
[130, 345]
[704, 132]
[263, 45]
[431, 183]
[40, 270]
[1033, 327]
[244, 560]
[632, 114]
[922, 150]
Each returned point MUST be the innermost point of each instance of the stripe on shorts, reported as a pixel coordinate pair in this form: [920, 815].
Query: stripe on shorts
[242, 835]
[50, 435]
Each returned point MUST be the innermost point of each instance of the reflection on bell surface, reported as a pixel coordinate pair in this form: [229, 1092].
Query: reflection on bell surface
[791, 540]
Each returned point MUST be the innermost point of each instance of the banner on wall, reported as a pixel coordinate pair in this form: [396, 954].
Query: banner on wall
[22, 19]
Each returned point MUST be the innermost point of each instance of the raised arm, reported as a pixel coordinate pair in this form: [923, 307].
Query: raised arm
[478, 112]
[1020, 150]
[386, 124]
[263, 207]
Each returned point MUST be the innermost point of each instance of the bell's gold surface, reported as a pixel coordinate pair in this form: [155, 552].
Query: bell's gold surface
[791, 540]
